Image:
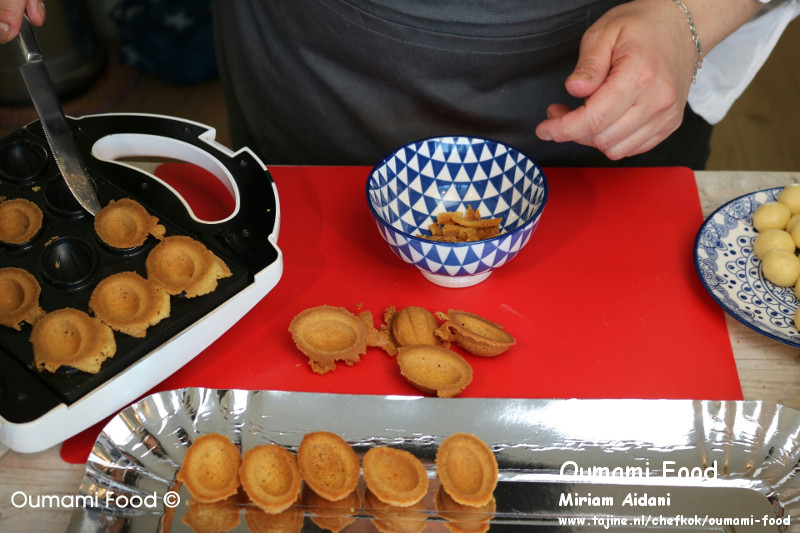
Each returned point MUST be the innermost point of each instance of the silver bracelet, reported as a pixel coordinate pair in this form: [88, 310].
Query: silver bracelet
[695, 38]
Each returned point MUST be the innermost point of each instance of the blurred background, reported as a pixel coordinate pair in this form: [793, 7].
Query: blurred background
[158, 57]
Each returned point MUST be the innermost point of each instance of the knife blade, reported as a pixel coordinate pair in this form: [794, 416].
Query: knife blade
[56, 130]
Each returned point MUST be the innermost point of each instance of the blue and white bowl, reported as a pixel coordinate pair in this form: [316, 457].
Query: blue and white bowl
[411, 186]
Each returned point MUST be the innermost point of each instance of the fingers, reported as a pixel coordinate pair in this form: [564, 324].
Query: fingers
[11, 12]
[591, 79]
[603, 108]
[557, 110]
[634, 133]
[593, 66]
[36, 11]
[632, 75]
[632, 107]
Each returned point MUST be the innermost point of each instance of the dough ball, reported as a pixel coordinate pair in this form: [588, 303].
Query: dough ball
[797, 319]
[797, 289]
[790, 196]
[771, 215]
[792, 222]
[795, 233]
[773, 239]
[781, 267]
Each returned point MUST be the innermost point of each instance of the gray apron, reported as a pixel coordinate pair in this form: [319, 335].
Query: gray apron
[347, 81]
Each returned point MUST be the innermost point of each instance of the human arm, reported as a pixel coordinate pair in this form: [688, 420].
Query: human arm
[11, 12]
[634, 72]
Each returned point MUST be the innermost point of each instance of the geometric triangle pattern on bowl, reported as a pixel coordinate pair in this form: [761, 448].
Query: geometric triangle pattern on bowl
[411, 186]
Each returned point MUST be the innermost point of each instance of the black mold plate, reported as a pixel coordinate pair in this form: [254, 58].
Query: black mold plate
[68, 259]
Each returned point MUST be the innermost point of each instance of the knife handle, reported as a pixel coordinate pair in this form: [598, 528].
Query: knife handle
[27, 41]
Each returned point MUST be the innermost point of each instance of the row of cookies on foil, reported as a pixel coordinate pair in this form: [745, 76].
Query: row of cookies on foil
[275, 486]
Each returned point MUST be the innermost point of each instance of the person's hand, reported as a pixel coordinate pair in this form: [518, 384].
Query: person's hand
[11, 12]
[634, 71]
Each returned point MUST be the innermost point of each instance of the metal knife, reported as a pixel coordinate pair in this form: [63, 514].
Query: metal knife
[59, 137]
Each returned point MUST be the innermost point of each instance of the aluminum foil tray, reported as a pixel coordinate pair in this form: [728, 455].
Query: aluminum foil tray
[552, 454]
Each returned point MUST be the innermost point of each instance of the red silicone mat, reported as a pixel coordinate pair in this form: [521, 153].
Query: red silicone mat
[604, 301]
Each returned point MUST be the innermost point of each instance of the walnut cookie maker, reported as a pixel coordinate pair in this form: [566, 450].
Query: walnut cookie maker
[40, 408]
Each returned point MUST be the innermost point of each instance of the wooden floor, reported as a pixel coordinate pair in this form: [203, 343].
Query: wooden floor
[761, 132]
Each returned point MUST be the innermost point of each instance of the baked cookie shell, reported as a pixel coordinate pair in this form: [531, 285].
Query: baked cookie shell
[395, 476]
[467, 468]
[68, 337]
[128, 303]
[474, 333]
[180, 264]
[210, 468]
[434, 369]
[326, 334]
[414, 325]
[20, 221]
[19, 297]
[124, 224]
[270, 477]
[328, 464]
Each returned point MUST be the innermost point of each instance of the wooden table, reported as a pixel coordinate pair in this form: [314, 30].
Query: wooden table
[768, 371]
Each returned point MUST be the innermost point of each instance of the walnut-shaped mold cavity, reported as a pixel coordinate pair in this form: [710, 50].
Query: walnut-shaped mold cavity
[434, 369]
[19, 298]
[22, 161]
[270, 477]
[20, 221]
[210, 468]
[60, 200]
[328, 464]
[395, 476]
[467, 468]
[125, 225]
[69, 337]
[473, 333]
[68, 263]
[327, 334]
[128, 303]
[182, 265]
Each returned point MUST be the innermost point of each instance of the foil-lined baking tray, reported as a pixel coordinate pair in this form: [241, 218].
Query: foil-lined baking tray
[635, 465]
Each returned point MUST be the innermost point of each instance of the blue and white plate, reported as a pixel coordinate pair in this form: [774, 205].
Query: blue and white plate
[731, 273]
